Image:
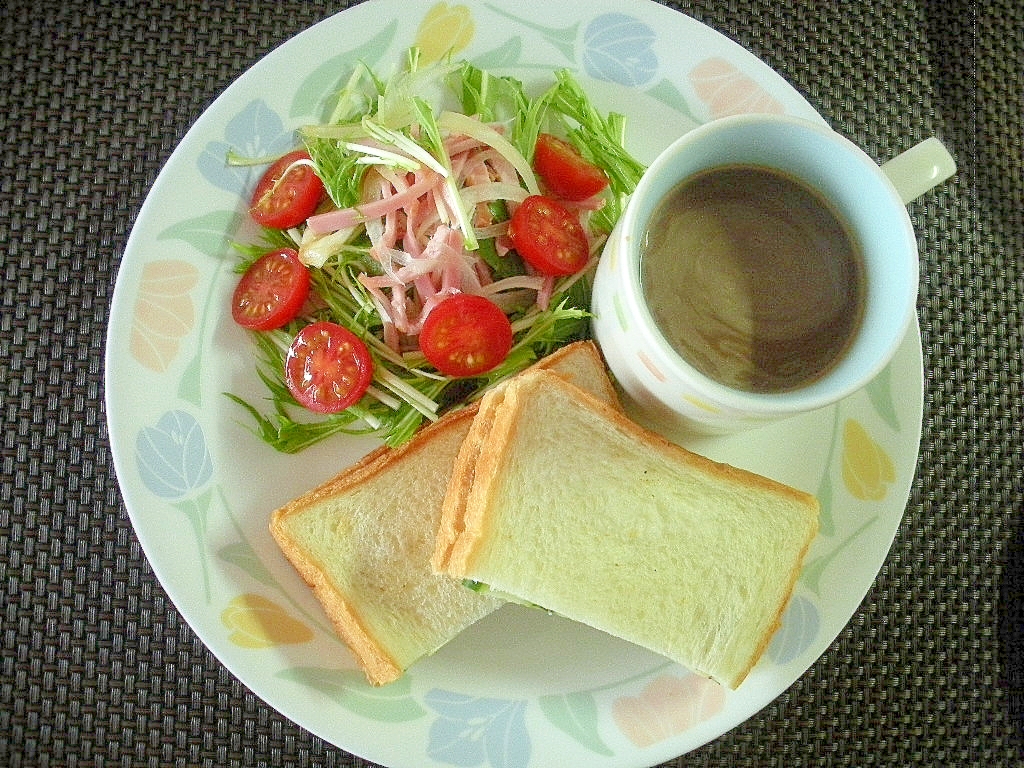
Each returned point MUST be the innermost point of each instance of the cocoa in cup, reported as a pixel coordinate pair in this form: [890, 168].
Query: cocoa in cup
[765, 266]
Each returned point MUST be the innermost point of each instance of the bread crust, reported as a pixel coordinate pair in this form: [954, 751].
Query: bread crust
[657, 442]
[377, 665]
[579, 358]
[555, 362]
[372, 464]
[477, 525]
[500, 427]
[453, 541]
[370, 653]
[452, 526]
[473, 525]
[773, 627]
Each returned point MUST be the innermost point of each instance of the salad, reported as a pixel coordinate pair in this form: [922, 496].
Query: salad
[413, 254]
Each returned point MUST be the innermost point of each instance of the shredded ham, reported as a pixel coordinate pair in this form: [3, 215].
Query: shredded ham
[413, 222]
[323, 223]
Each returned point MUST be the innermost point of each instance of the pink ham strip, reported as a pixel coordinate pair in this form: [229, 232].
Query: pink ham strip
[325, 223]
[424, 259]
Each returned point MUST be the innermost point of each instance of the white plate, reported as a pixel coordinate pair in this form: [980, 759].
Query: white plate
[520, 688]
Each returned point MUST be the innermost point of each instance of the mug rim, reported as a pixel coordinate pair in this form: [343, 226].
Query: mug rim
[836, 383]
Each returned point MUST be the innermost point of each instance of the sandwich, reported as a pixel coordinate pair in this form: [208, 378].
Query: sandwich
[363, 541]
[568, 505]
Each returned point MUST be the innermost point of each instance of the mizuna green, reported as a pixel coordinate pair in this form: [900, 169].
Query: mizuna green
[393, 137]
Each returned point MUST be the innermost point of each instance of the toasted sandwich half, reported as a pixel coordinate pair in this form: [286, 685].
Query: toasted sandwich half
[363, 540]
[571, 506]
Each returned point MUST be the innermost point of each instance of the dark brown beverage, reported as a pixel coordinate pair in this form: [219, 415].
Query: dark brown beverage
[753, 278]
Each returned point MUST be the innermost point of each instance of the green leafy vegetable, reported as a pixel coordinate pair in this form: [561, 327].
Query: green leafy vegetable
[399, 125]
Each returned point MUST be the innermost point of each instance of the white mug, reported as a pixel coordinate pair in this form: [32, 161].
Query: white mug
[872, 201]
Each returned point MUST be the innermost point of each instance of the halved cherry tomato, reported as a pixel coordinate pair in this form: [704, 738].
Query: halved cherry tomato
[271, 292]
[327, 368]
[288, 193]
[466, 335]
[565, 171]
[548, 236]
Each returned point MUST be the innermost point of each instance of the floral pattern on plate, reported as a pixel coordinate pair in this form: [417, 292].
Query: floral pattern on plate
[202, 527]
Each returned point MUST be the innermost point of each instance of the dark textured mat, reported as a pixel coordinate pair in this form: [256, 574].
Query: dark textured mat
[96, 666]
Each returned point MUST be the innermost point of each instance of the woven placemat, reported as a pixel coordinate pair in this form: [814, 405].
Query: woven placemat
[97, 667]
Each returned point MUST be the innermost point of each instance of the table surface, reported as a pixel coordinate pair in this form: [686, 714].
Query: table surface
[94, 97]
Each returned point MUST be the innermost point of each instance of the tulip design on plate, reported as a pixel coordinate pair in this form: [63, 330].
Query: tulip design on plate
[728, 91]
[867, 468]
[444, 31]
[164, 313]
[619, 49]
[255, 132]
[667, 706]
[174, 464]
[256, 622]
[391, 703]
[576, 714]
[476, 731]
[868, 472]
[799, 629]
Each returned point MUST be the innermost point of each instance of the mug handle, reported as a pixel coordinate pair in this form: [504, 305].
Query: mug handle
[919, 169]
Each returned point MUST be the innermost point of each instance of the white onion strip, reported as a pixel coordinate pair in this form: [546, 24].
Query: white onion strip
[459, 123]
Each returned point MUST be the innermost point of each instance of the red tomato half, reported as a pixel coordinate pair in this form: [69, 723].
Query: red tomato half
[565, 171]
[271, 292]
[327, 368]
[466, 335]
[549, 237]
[288, 193]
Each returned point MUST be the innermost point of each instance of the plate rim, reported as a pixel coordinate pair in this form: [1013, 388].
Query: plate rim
[119, 311]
